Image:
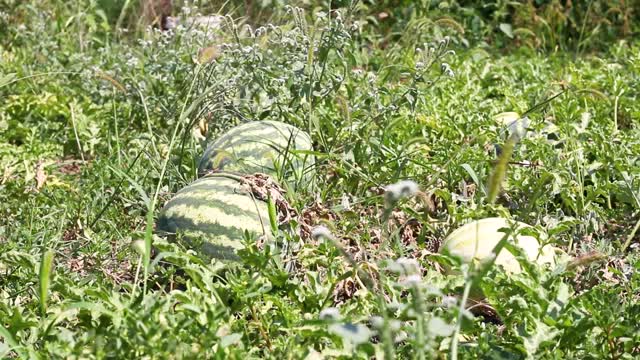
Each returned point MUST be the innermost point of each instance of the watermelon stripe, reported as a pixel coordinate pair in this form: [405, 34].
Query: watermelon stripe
[255, 147]
[261, 126]
[270, 137]
[221, 252]
[200, 202]
[240, 199]
[230, 239]
[199, 216]
[223, 249]
[246, 146]
[255, 132]
[199, 188]
[223, 233]
[213, 214]
[248, 160]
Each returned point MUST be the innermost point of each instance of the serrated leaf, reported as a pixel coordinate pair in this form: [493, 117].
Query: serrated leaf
[507, 29]
[541, 333]
[7, 79]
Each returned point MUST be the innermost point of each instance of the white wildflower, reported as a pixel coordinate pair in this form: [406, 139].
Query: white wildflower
[404, 266]
[449, 301]
[377, 322]
[411, 281]
[132, 62]
[352, 333]
[401, 189]
[330, 314]
[321, 232]
[446, 69]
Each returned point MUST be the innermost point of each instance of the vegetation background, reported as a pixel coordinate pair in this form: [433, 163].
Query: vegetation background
[102, 115]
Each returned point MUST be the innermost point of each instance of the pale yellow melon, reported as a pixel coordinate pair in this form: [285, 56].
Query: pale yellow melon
[475, 241]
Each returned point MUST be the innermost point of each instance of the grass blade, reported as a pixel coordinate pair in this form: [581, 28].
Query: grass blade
[273, 215]
[45, 278]
[500, 170]
[148, 234]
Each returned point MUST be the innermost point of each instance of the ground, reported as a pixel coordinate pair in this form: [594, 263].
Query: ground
[103, 118]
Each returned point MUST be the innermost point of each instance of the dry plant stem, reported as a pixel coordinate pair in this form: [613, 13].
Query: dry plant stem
[463, 301]
[615, 111]
[115, 127]
[500, 170]
[136, 277]
[584, 24]
[263, 333]
[46, 267]
[123, 13]
[586, 259]
[632, 234]
[420, 336]
[366, 278]
[15, 80]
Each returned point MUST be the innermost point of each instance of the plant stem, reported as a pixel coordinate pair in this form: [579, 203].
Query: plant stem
[631, 236]
[463, 302]
[420, 337]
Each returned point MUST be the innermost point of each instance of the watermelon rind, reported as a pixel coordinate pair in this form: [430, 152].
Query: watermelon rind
[212, 215]
[268, 147]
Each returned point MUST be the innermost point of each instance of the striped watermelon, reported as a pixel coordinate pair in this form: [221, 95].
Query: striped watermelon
[213, 213]
[476, 240]
[260, 147]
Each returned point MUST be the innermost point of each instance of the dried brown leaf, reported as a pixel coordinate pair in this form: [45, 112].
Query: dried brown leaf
[41, 175]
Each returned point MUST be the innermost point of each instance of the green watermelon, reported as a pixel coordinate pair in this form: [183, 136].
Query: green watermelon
[260, 147]
[213, 213]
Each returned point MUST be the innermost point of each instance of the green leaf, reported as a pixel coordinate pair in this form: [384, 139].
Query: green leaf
[500, 170]
[474, 176]
[45, 278]
[507, 29]
[6, 336]
[273, 215]
[541, 333]
[7, 79]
